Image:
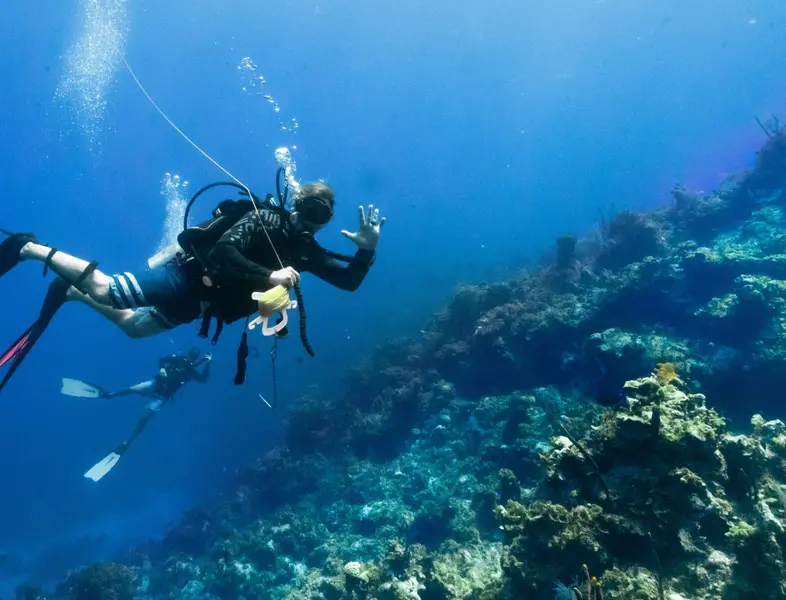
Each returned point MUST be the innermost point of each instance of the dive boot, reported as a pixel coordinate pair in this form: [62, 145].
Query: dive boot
[10, 249]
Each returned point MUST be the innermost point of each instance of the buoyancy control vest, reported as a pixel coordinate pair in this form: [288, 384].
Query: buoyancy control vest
[197, 242]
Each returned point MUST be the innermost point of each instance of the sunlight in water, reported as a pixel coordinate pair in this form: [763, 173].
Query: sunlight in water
[91, 62]
[174, 191]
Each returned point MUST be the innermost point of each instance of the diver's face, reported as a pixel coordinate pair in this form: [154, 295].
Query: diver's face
[313, 213]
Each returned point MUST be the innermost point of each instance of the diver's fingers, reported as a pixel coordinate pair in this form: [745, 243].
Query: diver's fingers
[370, 220]
[382, 222]
[348, 234]
[376, 216]
[362, 215]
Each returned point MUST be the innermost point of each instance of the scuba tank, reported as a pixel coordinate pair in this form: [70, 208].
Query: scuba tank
[163, 257]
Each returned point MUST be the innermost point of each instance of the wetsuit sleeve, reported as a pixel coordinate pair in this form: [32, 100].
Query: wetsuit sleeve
[204, 375]
[344, 277]
[230, 252]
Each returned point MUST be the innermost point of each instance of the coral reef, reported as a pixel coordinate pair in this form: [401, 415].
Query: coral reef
[583, 431]
[660, 491]
[108, 581]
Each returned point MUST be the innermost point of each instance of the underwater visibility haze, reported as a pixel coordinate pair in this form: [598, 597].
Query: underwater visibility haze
[556, 371]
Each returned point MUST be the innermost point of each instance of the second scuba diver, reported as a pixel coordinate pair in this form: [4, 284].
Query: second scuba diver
[174, 372]
[248, 246]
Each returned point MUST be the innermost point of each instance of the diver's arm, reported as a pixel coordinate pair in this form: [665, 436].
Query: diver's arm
[230, 253]
[344, 277]
[204, 375]
[230, 261]
[349, 277]
[203, 359]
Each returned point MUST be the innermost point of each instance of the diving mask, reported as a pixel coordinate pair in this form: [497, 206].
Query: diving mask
[315, 210]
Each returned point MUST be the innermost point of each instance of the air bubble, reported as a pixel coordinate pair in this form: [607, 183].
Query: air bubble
[256, 84]
[91, 64]
[174, 192]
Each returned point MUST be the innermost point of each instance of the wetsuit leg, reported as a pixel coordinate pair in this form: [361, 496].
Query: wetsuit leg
[71, 268]
[119, 298]
[140, 426]
[135, 323]
[146, 388]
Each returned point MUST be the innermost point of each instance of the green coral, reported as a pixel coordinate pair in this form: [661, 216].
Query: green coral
[740, 531]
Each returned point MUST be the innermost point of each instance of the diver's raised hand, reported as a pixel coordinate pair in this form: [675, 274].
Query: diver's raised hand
[287, 277]
[367, 235]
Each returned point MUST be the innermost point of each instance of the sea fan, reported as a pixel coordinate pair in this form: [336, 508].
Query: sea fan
[666, 373]
[563, 592]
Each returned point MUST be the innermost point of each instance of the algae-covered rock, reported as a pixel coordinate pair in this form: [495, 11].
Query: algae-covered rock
[634, 582]
[361, 574]
[679, 488]
[550, 532]
[408, 589]
[627, 354]
[470, 572]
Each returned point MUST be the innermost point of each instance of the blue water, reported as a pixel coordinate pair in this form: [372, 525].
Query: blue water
[482, 130]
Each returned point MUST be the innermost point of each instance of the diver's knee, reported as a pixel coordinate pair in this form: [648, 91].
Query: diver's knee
[74, 295]
[142, 323]
[98, 290]
[95, 294]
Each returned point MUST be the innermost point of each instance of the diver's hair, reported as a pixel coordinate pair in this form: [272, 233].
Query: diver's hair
[315, 189]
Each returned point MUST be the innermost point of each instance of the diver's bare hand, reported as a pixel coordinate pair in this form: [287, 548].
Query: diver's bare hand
[287, 277]
[367, 235]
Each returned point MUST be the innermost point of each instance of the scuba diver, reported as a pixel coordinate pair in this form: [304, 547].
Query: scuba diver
[173, 373]
[249, 245]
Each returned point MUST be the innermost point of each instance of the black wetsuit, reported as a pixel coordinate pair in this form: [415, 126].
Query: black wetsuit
[245, 258]
[179, 371]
